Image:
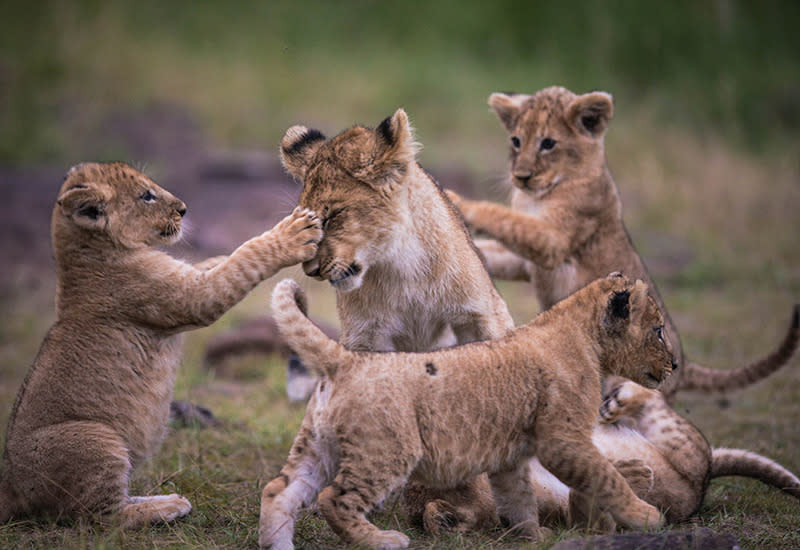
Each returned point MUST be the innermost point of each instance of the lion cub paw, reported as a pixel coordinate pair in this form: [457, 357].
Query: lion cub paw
[620, 399]
[386, 540]
[298, 235]
[141, 511]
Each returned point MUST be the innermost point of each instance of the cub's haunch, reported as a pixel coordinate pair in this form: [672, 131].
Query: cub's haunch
[444, 417]
[95, 402]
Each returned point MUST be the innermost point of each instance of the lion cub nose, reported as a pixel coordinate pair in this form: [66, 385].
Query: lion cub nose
[181, 210]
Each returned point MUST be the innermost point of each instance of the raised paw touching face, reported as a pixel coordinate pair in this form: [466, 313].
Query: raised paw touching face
[298, 235]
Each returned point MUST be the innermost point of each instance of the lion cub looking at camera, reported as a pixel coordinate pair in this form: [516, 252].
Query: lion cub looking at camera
[443, 417]
[95, 402]
[565, 229]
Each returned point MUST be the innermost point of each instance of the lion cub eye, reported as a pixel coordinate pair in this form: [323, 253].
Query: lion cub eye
[148, 196]
[515, 142]
[547, 144]
[660, 333]
[329, 217]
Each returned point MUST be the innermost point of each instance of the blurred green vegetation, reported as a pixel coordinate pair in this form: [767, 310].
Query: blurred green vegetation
[249, 69]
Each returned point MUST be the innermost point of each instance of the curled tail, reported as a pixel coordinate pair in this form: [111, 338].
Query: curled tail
[738, 462]
[698, 377]
[319, 352]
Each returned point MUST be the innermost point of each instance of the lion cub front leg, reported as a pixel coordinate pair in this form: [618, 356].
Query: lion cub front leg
[579, 464]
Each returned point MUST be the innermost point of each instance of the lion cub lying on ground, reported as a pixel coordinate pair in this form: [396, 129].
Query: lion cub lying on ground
[95, 402]
[444, 417]
[663, 457]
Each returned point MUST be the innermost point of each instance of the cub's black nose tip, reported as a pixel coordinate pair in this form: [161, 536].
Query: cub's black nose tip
[182, 211]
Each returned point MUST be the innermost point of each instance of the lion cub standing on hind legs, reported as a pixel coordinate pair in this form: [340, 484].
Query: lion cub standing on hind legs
[443, 417]
[95, 402]
[399, 256]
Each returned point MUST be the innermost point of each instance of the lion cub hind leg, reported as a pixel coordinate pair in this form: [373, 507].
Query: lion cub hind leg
[82, 468]
[363, 481]
[298, 484]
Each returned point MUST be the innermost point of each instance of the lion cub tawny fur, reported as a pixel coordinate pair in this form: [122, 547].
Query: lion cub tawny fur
[406, 273]
[95, 402]
[445, 416]
[565, 229]
[396, 251]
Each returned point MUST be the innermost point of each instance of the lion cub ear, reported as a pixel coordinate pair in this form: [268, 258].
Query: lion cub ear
[85, 204]
[507, 106]
[625, 307]
[298, 147]
[590, 113]
[395, 149]
[639, 300]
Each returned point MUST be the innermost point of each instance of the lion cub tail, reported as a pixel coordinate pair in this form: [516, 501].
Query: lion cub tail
[319, 352]
[698, 377]
[738, 462]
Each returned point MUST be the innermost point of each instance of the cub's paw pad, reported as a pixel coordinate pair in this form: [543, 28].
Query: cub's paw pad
[616, 401]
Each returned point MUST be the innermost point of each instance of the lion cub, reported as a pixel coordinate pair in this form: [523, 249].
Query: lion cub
[95, 402]
[565, 229]
[665, 459]
[443, 417]
[406, 273]
[396, 251]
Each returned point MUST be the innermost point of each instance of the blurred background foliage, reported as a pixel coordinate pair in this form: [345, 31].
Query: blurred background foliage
[249, 69]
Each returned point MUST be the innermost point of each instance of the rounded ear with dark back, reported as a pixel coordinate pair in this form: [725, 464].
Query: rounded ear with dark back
[393, 151]
[590, 113]
[85, 205]
[507, 106]
[298, 147]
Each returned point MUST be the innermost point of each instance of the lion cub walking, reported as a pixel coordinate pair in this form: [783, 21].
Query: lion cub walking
[443, 417]
[95, 402]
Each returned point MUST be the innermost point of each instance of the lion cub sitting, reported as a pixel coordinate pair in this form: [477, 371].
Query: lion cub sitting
[95, 402]
[445, 416]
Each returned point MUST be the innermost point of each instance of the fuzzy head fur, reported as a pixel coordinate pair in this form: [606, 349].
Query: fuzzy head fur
[352, 181]
[552, 134]
[116, 203]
